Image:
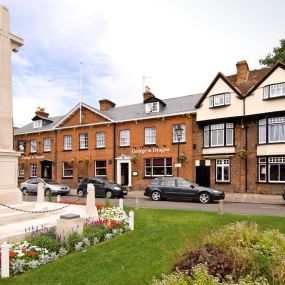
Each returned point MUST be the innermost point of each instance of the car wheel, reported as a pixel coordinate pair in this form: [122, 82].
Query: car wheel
[47, 192]
[156, 196]
[80, 193]
[109, 194]
[205, 198]
[25, 191]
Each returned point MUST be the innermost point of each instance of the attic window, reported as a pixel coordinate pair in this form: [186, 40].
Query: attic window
[38, 124]
[274, 90]
[218, 100]
[152, 107]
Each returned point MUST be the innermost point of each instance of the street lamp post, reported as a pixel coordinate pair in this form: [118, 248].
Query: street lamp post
[178, 132]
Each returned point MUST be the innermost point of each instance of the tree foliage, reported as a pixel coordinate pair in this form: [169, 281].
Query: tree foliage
[278, 54]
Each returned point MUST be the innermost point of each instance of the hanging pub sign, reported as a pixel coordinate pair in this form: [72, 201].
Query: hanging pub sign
[21, 146]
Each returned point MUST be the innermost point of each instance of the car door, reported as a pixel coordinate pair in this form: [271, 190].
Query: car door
[33, 185]
[99, 187]
[187, 189]
[169, 188]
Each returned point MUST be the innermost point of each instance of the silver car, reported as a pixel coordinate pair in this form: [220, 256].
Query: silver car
[51, 187]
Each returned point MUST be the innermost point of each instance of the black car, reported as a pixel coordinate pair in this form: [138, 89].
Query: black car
[103, 188]
[178, 188]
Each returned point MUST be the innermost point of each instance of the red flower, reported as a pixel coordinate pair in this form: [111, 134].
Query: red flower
[24, 251]
[32, 253]
[12, 254]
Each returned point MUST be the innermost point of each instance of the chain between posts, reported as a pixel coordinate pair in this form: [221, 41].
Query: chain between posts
[37, 212]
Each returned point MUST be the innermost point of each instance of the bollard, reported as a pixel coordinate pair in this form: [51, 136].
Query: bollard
[137, 203]
[5, 260]
[121, 204]
[132, 220]
[221, 210]
[58, 198]
[41, 193]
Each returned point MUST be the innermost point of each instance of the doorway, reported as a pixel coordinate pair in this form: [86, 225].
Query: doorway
[124, 174]
[203, 173]
[46, 169]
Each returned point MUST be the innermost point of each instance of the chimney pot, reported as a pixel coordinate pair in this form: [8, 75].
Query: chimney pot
[41, 112]
[147, 94]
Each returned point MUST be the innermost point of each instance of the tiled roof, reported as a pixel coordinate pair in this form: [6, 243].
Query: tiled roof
[179, 105]
[253, 78]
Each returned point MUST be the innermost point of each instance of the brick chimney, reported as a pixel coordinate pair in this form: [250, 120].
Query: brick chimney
[147, 94]
[242, 71]
[41, 112]
[106, 105]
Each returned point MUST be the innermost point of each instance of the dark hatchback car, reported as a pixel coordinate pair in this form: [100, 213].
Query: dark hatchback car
[103, 188]
[181, 189]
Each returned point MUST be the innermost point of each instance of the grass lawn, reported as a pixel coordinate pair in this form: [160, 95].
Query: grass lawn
[135, 257]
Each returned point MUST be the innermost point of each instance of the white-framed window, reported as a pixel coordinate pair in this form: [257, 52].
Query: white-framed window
[33, 170]
[222, 170]
[274, 90]
[219, 135]
[161, 166]
[21, 171]
[271, 130]
[83, 141]
[33, 146]
[67, 169]
[125, 138]
[100, 140]
[47, 146]
[67, 142]
[183, 137]
[276, 169]
[152, 107]
[218, 100]
[150, 136]
[38, 124]
[100, 167]
[262, 173]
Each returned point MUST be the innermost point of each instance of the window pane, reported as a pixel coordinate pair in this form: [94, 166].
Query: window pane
[125, 138]
[226, 173]
[273, 172]
[229, 137]
[262, 172]
[262, 134]
[83, 141]
[219, 173]
[282, 172]
[100, 140]
[150, 136]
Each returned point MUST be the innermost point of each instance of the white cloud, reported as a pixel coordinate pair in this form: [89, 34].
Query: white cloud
[181, 44]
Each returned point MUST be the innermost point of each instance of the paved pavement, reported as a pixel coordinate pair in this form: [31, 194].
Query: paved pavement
[230, 197]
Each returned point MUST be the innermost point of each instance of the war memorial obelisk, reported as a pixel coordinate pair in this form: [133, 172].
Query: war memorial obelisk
[9, 193]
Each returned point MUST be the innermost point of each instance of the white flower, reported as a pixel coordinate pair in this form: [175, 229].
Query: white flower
[62, 252]
[86, 241]
[78, 246]
[96, 240]
[108, 236]
[33, 264]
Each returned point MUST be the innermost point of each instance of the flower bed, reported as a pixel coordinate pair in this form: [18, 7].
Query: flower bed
[237, 254]
[44, 246]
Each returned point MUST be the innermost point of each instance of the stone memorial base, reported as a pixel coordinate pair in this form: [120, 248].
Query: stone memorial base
[9, 192]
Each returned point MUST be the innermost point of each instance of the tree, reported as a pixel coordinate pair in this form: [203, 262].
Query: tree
[277, 55]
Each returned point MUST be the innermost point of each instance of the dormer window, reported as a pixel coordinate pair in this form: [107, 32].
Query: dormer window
[274, 90]
[38, 124]
[152, 107]
[218, 100]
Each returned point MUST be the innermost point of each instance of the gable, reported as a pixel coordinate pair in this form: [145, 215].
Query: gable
[89, 116]
[255, 101]
[220, 86]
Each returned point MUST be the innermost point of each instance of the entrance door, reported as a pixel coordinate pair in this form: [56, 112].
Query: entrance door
[46, 169]
[203, 175]
[124, 174]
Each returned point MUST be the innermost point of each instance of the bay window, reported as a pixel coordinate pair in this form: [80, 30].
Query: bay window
[274, 90]
[219, 135]
[271, 169]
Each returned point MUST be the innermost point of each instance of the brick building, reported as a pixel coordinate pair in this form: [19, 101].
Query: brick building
[130, 144]
[241, 131]
[233, 137]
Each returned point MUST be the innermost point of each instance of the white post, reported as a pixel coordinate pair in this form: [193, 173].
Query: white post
[41, 193]
[132, 220]
[121, 203]
[58, 198]
[5, 260]
[221, 210]
[90, 202]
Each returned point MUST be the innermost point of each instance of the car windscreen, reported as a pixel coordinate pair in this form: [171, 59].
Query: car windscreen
[48, 181]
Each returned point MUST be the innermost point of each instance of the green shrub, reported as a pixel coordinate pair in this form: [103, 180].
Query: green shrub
[45, 241]
[72, 240]
[91, 232]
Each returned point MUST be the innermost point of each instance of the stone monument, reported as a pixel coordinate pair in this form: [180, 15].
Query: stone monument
[9, 193]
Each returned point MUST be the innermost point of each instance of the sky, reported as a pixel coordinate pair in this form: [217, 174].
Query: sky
[177, 45]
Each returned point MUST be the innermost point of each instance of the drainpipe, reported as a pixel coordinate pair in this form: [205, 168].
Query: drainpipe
[246, 145]
[114, 151]
[55, 157]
